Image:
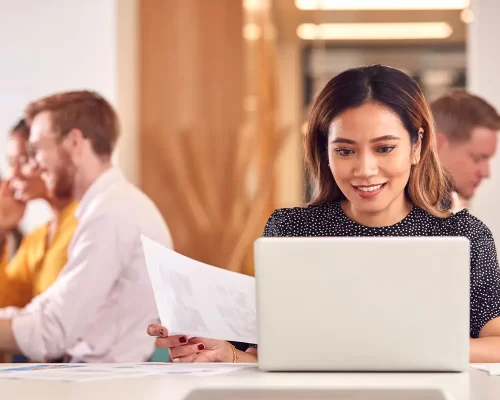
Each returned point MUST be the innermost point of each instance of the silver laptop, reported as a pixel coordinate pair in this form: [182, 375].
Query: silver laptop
[363, 304]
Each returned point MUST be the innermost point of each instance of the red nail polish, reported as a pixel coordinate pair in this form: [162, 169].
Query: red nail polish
[201, 347]
[183, 340]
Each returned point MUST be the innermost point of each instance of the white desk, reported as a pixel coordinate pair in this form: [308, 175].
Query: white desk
[473, 385]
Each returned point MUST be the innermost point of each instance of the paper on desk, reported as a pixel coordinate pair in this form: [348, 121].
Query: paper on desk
[68, 372]
[492, 369]
[196, 369]
[199, 300]
[93, 372]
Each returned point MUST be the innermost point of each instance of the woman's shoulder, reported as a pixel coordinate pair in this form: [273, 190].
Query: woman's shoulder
[281, 219]
[463, 223]
[295, 221]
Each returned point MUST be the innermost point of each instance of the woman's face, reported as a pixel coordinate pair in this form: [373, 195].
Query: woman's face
[25, 178]
[370, 157]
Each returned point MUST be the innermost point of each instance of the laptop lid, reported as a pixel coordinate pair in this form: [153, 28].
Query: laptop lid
[363, 303]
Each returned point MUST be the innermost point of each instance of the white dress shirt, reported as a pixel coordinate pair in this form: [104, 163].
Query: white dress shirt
[99, 307]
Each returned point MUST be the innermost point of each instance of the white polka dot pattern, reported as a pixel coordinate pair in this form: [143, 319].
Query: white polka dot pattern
[329, 220]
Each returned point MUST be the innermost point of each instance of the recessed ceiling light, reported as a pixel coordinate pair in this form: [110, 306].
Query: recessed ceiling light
[382, 4]
[375, 31]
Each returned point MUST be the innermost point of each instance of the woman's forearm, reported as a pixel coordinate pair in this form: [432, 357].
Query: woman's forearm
[485, 350]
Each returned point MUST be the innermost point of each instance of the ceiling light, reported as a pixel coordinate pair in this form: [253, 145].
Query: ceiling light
[375, 31]
[382, 4]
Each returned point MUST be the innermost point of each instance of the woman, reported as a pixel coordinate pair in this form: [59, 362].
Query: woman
[370, 149]
[10, 234]
[43, 252]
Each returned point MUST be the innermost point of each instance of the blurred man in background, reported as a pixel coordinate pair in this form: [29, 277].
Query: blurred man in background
[467, 133]
[97, 308]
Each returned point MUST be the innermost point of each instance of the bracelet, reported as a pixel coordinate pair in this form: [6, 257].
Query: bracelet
[235, 355]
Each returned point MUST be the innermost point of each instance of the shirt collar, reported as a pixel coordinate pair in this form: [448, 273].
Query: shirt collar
[104, 180]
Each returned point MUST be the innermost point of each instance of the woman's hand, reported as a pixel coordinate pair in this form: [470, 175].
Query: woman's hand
[11, 210]
[182, 349]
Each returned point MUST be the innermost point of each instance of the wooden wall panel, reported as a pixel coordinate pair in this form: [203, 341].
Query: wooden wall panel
[198, 147]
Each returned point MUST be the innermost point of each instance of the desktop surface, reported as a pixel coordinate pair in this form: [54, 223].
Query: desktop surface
[471, 385]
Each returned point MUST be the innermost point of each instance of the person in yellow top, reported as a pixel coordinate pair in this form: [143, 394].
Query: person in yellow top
[43, 252]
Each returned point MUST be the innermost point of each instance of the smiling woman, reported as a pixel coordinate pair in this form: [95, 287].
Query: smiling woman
[370, 149]
[375, 127]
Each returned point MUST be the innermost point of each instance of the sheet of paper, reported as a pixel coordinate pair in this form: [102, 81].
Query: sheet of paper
[492, 369]
[199, 369]
[197, 299]
[482, 367]
[69, 372]
[93, 372]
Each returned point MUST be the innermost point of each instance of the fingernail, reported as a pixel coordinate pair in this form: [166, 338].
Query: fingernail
[162, 331]
[175, 360]
[183, 339]
[201, 347]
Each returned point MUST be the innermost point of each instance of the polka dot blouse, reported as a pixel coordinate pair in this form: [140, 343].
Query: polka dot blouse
[329, 220]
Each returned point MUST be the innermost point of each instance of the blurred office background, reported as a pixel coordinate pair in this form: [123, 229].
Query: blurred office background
[213, 95]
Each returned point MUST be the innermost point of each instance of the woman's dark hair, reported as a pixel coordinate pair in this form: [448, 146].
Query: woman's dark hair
[429, 184]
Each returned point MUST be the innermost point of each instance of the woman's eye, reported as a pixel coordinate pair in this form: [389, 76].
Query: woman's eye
[344, 152]
[385, 149]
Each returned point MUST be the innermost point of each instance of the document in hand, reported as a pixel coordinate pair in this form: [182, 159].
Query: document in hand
[200, 300]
